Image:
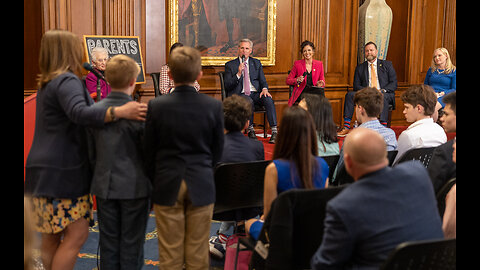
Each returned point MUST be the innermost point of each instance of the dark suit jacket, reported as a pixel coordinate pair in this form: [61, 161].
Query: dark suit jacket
[183, 140]
[369, 218]
[387, 77]
[57, 165]
[234, 85]
[441, 167]
[239, 148]
[116, 153]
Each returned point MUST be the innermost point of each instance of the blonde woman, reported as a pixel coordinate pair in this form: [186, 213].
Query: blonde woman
[442, 74]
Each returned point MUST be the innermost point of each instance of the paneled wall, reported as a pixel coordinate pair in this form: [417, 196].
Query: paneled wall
[419, 26]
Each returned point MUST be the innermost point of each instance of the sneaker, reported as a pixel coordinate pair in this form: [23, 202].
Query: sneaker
[217, 249]
[343, 132]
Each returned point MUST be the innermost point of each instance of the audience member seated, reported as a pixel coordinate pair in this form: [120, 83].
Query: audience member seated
[305, 73]
[99, 61]
[449, 225]
[385, 206]
[442, 74]
[237, 148]
[295, 164]
[116, 156]
[321, 110]
[441, 167]
[419, 101]
[165, 83]
[368, 104]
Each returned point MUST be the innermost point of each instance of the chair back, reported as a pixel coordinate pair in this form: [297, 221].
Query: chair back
[156, 80]
[221, 74]
[430, 254]
[332, 164]
[391, 156]
[423, 155]
[239, 185]
[442, 194]
[295, 227]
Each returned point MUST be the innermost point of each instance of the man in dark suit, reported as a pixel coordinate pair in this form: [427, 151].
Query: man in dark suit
[183, 142]
[375, 73]
[255, 89]
[383, 208]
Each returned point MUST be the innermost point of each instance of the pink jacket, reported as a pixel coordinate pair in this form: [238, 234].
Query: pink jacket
[298, 69]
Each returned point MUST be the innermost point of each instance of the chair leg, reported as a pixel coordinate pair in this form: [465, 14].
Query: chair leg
[264, 125]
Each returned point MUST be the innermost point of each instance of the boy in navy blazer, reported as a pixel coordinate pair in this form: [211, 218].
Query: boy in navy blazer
[183, 142]
[256, 88]
[120, 183]
[385, 206]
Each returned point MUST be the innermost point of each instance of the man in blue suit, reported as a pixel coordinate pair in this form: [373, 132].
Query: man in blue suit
[255, 89]
[375, 73]
[383, 208]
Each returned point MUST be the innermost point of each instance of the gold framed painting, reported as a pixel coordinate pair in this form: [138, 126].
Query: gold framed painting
[216, 26]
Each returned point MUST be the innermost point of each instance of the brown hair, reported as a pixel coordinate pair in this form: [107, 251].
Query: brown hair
[371, 100]
[120, 71]
[185, 64]
[421, 94]
[236, 111]
[60, 51]
[297, 142]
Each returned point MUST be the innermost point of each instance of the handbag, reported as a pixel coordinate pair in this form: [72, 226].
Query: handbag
[237, 256]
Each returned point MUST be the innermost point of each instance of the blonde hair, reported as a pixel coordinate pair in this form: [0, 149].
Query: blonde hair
[120, 70]
[60, 51]
[449, 67]
[185, 64]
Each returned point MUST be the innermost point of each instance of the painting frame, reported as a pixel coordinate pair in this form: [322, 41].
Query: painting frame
[267, 57]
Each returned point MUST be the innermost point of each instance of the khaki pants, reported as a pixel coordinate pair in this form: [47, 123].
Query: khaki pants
[183, 232]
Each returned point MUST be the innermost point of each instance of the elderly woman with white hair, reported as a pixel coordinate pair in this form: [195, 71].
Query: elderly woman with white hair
[99, 60]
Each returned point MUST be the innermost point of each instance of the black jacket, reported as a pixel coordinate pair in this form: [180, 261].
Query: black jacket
[57, 165]
[183, 140]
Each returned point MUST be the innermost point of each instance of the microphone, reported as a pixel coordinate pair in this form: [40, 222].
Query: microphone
[304, 74]
[89, 67]
[243, 58]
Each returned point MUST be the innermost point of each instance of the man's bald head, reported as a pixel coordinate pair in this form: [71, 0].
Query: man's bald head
[366, 151]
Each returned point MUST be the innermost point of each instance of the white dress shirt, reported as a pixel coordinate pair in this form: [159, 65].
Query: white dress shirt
[420, 134]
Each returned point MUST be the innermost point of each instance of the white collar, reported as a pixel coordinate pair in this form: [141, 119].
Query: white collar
[421, 122]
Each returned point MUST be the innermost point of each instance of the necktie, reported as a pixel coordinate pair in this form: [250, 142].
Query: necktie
[374, 76]
[246, 79]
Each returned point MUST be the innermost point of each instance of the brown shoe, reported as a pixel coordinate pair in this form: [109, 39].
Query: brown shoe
[343, 132]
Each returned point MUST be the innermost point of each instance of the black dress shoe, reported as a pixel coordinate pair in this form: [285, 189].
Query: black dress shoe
[273, 138]
[252, 135]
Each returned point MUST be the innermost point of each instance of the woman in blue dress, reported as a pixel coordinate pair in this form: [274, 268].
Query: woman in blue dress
[442, 74]
[295, 162]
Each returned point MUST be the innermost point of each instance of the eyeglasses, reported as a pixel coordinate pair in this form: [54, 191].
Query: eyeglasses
[102, 60]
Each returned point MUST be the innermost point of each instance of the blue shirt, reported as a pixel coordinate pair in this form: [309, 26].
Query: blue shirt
[441, 82]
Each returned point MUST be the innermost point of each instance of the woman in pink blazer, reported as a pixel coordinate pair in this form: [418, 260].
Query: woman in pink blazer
[305, 72]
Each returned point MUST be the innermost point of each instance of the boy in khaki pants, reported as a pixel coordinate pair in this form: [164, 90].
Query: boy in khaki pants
[183, 142]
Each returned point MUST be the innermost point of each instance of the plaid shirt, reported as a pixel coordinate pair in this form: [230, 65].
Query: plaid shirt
[166, 85]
